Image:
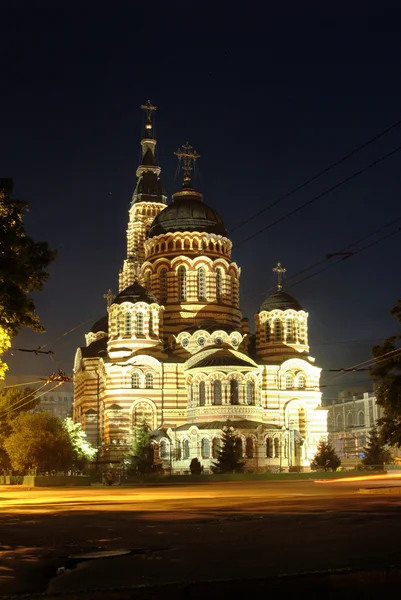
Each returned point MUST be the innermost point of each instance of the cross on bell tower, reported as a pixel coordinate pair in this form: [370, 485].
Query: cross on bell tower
[109, 297]
[187, 157]
[149, 109]
[279, 271]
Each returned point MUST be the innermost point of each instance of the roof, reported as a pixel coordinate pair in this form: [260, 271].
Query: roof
[101, 325]
[97, 349]
[149, 187]
[134, 293]
[217, 356]
[240, 424]
[280, 301]
[188, 213]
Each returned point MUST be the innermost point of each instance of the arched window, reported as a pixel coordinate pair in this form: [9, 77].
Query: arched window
[289, 382]
[267, 331]
[191, 394]
[361, 418]
[350, 420]
[340, 422]
[278, 330]
[178, 450]
[234, 399]
[202, 393]
[164, 450]
[217, 392]
[238, 447]
[149, 381]
[289, 330]
[151, 332]
[182, 283]
[139, 323]
[118, 325]
[163, 285]
[301, 381]
[233, 290]
[269, 448]
[299, 333]
[216, 447]
[186, 449]
[201, 284]
[127, 324]
[250, 393]
[135, 381]
[219, 284]
[249, 447]
[205, 448]
[276, 448]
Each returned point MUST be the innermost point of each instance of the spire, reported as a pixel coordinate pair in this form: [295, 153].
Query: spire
[149, 109]
[187, 157]
[279, 271]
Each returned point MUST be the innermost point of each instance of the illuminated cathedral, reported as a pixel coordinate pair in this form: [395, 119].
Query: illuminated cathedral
[174, 349]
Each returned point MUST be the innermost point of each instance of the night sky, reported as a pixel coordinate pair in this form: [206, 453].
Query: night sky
[263, 119]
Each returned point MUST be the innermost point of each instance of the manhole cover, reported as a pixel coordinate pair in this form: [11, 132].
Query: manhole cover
[100, 554]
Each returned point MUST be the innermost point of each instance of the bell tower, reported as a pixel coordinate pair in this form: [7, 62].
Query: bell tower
[148, 201]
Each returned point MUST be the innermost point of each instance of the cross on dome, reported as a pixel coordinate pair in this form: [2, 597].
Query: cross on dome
[279, 271]
[187, 157]
[109, 297]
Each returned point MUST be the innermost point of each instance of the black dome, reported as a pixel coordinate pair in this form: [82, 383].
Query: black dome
[134, 293]
[101, 325]
[280, 301]
[188, 213]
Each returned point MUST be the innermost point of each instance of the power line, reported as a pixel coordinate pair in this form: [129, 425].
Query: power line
[318, 175]
[319, 196]
[31, 395]
[2, 415]
[6, 387]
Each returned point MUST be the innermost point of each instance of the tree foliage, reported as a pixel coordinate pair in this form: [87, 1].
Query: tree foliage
[84, 452]
[386, 372]
[195, 467]
[376, 454]
[140, 460]
[5, 343]
[326, 458]
[40, 442]
[23, 264]
[229, 456]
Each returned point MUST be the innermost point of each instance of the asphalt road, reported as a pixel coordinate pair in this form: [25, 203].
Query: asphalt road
[192, 532]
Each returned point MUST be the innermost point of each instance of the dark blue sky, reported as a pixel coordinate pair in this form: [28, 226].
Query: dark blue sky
[263, 119]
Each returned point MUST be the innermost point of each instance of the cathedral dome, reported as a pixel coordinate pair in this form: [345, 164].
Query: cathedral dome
[134, 293]
[280, 301]
[188, 213]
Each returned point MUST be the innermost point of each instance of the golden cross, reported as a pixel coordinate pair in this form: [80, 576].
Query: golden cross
[279, 270]
[109, 297]
[148, 108]
[187, 155]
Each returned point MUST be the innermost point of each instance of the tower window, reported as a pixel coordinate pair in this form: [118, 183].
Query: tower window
[139, 324]
[202, 393]
[290, 330]
[149, 381]
[267, 331]
[234, 392]
[151, 331]
[217, 392]
[135, 381]
[201, 284]
[233, 291]
[118, 325]
[163, 285]
[301, 381]
[219, 284]
[250, 393]
[289, 382]
[127, 324]
[182, 283]
[278, 330]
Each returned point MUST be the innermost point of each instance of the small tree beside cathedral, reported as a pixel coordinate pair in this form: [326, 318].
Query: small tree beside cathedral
[140, 460]
[376, 454]
[230, 454]
[326, 458]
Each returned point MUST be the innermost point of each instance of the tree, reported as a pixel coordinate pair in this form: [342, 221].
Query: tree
[23, 264]
[376, 454]
[39, 441]
[13, 401]
[84, 452]
[140, 460]
[195, 467]
[228, 457]
[386, 372]
[325, 458]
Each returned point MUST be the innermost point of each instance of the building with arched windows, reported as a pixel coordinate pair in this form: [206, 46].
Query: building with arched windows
[175, 350]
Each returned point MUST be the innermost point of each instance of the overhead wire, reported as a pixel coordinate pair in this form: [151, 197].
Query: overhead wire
[14, 408]
[31, 395]
[318, 175]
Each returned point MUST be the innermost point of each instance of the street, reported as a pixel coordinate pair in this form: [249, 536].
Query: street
[192, 532]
